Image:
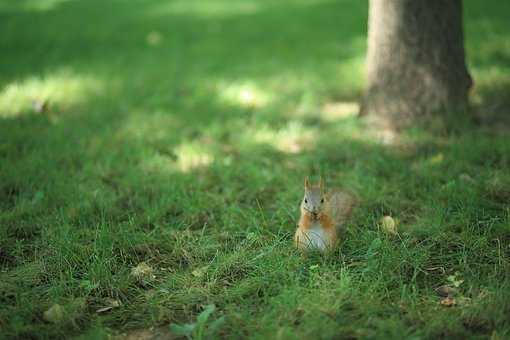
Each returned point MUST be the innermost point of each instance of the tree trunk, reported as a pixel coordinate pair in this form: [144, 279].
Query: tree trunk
[415, 63]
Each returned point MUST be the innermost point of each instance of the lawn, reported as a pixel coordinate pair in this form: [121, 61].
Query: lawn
[152, 160]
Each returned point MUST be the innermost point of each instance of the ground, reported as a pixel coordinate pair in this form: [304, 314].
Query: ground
[152, 158]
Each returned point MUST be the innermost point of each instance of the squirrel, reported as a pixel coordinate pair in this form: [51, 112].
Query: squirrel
[322, 215]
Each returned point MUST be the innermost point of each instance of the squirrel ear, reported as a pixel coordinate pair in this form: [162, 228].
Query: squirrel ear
[321, 183]
[307, 183]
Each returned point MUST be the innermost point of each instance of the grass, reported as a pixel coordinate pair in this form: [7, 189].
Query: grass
[177, 135]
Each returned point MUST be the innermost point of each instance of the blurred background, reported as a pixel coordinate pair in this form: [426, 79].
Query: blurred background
[168, 131]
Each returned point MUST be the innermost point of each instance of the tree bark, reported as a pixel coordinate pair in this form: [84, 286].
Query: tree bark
[415, 63]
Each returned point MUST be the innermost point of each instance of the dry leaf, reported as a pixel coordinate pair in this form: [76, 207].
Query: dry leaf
[110, 304]
[199, 272]
[448, 302]
[54, 314]
[143, 271]
[389, 225]
[113, 303]
[154, 38]
[104, 309]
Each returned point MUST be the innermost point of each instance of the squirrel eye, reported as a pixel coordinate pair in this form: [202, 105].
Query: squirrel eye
[306, 201]
[322, 200]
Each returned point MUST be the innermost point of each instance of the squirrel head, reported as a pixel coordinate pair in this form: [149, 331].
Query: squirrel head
[314, 200]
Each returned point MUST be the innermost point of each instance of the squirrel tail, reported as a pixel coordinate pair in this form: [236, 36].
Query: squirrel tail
[341, 205]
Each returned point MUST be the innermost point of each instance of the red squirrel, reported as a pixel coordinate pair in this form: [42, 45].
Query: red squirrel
[322, 214]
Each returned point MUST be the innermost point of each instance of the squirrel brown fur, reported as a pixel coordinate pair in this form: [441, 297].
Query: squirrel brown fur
[322, 215]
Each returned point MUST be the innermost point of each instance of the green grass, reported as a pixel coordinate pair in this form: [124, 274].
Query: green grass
[178, 135]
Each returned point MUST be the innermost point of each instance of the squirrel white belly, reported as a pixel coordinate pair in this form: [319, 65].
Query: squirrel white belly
[322, 214]
[315, 237]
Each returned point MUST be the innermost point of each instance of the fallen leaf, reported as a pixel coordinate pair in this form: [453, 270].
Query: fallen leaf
[154, 38]
[389, 225]
[113, 302]
[143, 271]
[104, 309]
[110, 304]
[448, 302]
[199, 272]
[54, 314]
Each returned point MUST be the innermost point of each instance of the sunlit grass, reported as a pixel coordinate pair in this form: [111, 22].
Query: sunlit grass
[185, 158]
[335, 111]
[31, 5]
[192, 156]
[292, 138]
[221, 8]
[185, 129]
[209, 9]
[245, 94]
[487, 79]
[352, 70]
[145, 125]
[62, 88]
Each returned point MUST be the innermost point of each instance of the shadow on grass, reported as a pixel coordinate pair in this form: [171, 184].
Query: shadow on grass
[275, 39]
[190, 157]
